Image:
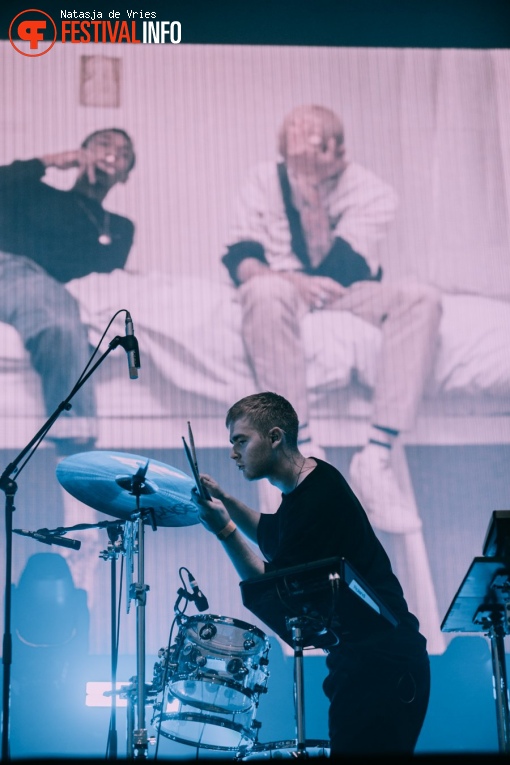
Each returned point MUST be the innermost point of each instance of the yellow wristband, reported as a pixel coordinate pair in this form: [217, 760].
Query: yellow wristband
[226, 530]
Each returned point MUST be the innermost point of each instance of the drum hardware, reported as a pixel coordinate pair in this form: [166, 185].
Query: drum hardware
[116, 547]
[296, 625]
[215, 672]
[167, 663]
[138, 593]
[278, 750]
[221, 664]
[138, 491]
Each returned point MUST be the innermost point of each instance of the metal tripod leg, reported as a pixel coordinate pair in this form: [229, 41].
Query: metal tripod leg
[497, 635]
[140, 593]
[299, 686]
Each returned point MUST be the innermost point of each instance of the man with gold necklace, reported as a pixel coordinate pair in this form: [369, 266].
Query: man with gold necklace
[379, 678]
[47, 238]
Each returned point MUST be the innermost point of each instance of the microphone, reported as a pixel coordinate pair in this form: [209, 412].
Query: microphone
[49, 539]
[131, 346]
[198, 596]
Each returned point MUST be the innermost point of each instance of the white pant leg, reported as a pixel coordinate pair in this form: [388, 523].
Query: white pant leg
[409, 315]
[272, 311]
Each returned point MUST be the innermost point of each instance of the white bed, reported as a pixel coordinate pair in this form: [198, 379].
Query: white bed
[194, 366]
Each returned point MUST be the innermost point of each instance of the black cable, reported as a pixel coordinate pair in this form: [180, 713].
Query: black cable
[179, 613]
[96, 349]
[76, 385]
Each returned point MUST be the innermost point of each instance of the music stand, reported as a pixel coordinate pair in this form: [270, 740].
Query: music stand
[497, 538]
[312, 605]
[482, 604]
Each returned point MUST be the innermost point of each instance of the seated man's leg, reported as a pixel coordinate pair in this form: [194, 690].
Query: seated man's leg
[409, 315]
[48, 319]
[48, 349]
[272, 313]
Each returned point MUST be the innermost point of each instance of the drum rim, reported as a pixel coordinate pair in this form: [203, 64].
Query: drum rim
[194, 717]
[215, 618]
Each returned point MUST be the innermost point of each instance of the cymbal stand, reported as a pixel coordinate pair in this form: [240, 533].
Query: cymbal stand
[139, 594]
[114, 549]
[131, 703]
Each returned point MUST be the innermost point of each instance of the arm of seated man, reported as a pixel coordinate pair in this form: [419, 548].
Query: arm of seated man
[315, 291]
[249, 268]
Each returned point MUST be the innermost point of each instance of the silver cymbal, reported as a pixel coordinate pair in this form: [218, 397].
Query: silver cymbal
[109, 481]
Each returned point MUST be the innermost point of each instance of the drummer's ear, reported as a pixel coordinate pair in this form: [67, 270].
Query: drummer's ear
[275, 435]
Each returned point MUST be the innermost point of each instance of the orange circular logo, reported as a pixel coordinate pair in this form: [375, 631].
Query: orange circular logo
[35, 30]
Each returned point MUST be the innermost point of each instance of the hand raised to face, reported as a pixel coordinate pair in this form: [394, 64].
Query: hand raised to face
[310, 153]
[106, 158]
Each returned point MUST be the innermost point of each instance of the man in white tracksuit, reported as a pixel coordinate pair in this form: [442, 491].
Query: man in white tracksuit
[304, 239]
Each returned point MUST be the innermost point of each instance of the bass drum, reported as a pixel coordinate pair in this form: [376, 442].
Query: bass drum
[286, 750]
[200, 728]
[219, 664]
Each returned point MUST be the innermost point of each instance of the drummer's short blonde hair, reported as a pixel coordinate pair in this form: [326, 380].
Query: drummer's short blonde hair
[265, 411]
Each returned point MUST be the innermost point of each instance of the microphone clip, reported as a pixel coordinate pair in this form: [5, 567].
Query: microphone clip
[47, 537]
[128, 342]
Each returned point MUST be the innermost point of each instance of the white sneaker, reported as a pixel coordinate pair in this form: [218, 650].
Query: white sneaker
[375, 484]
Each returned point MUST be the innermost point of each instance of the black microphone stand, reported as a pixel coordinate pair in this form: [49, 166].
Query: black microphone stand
[9, 487]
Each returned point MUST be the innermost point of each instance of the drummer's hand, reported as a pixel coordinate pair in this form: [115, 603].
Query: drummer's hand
[212, 486]
[212, 513]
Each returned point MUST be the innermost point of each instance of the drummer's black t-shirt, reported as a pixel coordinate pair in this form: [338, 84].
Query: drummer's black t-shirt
[322, 518]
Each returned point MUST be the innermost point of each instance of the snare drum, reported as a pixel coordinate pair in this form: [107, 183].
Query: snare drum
[219, 664]
[286, 750]
[201, 728]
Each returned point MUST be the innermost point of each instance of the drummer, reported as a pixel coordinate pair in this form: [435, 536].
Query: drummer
[378, 682]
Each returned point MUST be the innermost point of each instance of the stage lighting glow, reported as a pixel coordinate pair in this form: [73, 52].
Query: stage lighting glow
[95, 694]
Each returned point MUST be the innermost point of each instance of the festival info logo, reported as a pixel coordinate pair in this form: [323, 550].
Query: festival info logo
[32, 32]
